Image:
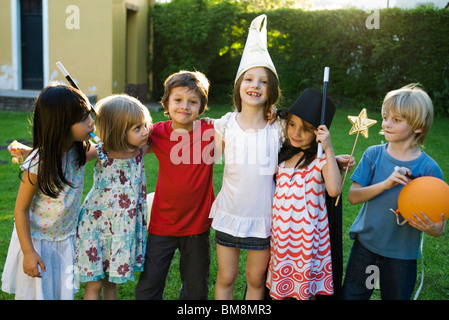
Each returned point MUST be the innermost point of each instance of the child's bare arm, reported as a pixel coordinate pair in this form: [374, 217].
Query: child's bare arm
[91, 154]
[31, 259]
[219, 147]
[359, 194]
[331, 171]
[331, 174]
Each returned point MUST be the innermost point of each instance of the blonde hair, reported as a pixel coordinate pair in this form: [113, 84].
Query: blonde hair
[117, 114]
[413, 104]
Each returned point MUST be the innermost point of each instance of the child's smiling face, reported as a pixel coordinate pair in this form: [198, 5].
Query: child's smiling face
[254, 87]
[183, 107]
[300, 133]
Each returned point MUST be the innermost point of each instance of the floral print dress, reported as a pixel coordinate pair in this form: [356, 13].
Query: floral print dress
[112, 227]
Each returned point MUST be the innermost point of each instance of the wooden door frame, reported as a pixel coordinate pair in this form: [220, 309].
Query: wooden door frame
[16, 44]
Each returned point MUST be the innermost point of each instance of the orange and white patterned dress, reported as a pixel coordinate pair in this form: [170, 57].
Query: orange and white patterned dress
[300, 264]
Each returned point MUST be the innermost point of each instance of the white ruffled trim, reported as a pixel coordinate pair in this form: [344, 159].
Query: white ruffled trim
[241, 227]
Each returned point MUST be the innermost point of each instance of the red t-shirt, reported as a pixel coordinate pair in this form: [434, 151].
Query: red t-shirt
[184, 190]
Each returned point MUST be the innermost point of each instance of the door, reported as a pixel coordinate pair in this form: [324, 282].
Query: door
[32, 44]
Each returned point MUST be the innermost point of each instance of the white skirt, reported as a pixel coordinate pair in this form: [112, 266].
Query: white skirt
[57, 282]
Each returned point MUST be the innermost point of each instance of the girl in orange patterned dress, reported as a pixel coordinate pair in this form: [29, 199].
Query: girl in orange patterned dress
[300, 264]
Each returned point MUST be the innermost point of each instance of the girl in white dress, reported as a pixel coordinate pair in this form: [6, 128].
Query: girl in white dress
[39, 264]
[242, 210]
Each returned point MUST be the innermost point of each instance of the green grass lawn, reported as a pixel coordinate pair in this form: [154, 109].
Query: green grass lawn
[436, 250]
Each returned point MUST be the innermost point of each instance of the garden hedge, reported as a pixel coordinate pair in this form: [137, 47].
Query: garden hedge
[404, 46]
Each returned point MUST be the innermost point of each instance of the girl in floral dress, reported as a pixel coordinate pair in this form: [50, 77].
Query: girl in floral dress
[110, 245]
[300, 264]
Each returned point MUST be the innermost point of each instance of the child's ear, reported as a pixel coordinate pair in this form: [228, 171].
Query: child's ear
[419, 130]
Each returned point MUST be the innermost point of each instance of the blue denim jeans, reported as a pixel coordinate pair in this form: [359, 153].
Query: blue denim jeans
[397, 277]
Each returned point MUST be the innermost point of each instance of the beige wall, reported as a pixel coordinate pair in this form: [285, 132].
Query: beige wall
[130, 19]
[95, 52]
[6, 67]
[137, 58]
[86, 52]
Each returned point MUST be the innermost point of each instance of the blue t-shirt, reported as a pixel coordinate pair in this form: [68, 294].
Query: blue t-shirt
[376, 224]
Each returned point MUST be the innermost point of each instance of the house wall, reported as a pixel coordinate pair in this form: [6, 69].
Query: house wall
[6, 63]
[85, 49]
[130, 28]
[90, 39]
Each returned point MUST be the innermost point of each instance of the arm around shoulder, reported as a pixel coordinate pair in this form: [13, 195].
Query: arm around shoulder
[147, 149]
[91, 154]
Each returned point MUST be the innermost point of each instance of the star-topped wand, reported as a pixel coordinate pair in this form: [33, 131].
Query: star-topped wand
[360, 124]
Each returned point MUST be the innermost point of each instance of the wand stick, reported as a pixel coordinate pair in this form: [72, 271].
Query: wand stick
[323, 108]
[66, 74]
[347, 167]
[70, 80]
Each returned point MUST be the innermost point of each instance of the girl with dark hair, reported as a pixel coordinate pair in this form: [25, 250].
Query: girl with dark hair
[41, 253]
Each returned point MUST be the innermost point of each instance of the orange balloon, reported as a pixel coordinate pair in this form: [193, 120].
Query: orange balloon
[427, 194]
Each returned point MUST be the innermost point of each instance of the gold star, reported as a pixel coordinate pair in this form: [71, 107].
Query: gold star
[361, 123]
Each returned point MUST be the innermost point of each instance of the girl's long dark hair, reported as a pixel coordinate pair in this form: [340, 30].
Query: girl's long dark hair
[58, 107]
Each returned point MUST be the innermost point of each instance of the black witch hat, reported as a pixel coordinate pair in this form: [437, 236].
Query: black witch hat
[308, 108]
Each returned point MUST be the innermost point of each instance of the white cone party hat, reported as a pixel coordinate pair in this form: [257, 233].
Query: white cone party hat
[255, 53]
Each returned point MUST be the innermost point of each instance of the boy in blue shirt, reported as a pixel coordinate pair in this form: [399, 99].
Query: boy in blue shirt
[407, 116]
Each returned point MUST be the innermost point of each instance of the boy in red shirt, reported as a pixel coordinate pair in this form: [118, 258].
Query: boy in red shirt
[184, 191]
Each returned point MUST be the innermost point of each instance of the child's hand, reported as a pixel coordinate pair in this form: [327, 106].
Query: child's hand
[323, 136]
[423, 223]
[150, 129]
[18, 151]
[31, 262]
[394, 179]
[271, 115]
[208, 120]
[345, 160]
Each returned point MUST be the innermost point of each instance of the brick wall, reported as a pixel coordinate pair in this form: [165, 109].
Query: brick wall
[16, 103]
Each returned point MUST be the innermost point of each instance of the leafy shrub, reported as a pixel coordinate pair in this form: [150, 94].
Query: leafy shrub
[209, 36]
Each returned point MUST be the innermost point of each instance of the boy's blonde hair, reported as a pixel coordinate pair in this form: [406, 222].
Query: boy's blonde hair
[193, 80]
[116, 114]
[413, 104]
